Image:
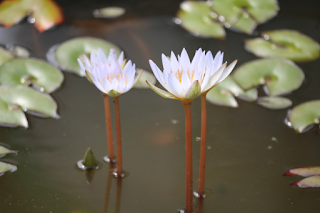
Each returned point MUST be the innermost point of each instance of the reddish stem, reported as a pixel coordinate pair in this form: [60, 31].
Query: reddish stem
[118, 129]
[203, 144]
[108, 126]
[188, 158]
[118, 194]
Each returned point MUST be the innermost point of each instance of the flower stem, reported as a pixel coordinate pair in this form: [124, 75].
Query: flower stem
[203, 144]
[108, 126]
[189, 187]
[118, 129]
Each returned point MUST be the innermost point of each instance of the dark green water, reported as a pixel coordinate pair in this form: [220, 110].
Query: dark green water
[244, 165]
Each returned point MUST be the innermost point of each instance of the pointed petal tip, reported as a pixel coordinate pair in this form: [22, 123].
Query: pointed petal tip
[294, 183]
[289, 174]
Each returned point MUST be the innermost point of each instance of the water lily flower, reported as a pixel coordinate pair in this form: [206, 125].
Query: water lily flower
[184, 79]
[111, 75]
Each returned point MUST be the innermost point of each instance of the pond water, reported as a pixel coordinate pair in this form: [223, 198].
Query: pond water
[249, 148]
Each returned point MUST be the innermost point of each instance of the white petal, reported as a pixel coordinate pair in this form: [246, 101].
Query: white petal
[101, 56]
[201, 63]
[120, 59]
[174, 63]
[175, 86]
[128, 67]
[165, 63]
[195, 59]
[93, 58]
[184, 61]
[83, 69]
[213, 78]
[209, 59]
[157, 72]
[185, 81]
[114, 84]
[227, 71]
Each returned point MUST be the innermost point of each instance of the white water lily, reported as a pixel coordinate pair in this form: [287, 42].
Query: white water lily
[111, 75]
[184, 79]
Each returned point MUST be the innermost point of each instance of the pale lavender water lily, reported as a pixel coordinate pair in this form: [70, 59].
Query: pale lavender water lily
[185, 79]
[111, 75]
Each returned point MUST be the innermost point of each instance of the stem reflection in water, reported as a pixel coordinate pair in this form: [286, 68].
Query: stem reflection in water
[108, 187]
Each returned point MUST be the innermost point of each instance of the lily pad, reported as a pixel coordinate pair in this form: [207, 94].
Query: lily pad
[45, 13]
[4, 151]
[288, 44]
[6, 167]
[309, 182]
[4, 56]
[304, 115]
[109, 12]
[245, 15]
[197, 18]
[67, 53]
[31, 72]
[273, 102]
[18, 51]
[304, 171]
[141, 83]
[223, 94]
[15, 100]
[279, 76]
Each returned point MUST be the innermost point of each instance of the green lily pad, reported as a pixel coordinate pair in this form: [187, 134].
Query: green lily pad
[44, 13]
[245, 15]
[273, 102]
[15, 100]
[6, 167]
[4, 151]
[67, 53]
[18, 51]
[141, 83]
[196, 17]
[304, 115]
[309, 182]
[304, 171]
[288, 44]
[31, 72]
[224, 93]
[109, 12]
[4, 56]
[279, 76]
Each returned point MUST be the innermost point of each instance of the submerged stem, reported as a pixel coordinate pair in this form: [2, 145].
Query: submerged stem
[118, 129]
[203, 144]
[108, 126]
[187, 110]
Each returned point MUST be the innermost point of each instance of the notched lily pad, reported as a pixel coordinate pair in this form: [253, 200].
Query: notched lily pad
[279, 76]
[245, 15]
[309, 182]
[224, 93]
[304, 171]
[304, 115]
[66, 54]
[43, 13]
[6, 167]
[141, 83]
[33, 72]
[198, 18]
[288, 44]
[15, 100]
[273, 102]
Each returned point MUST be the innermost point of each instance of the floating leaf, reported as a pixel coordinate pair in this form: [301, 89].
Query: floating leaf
[309, 182]
[4, 56]
[6, 167]
[304, 171]
[273, 102]
[15, 99]
[141, 83]
[44, 13]
[284, 44]
[109, 12]
[67, 53]
[279, 76]
[245, 15]
[18, 51]
[31, 72]
[304, 115]
[197, 18]
[223, 94]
